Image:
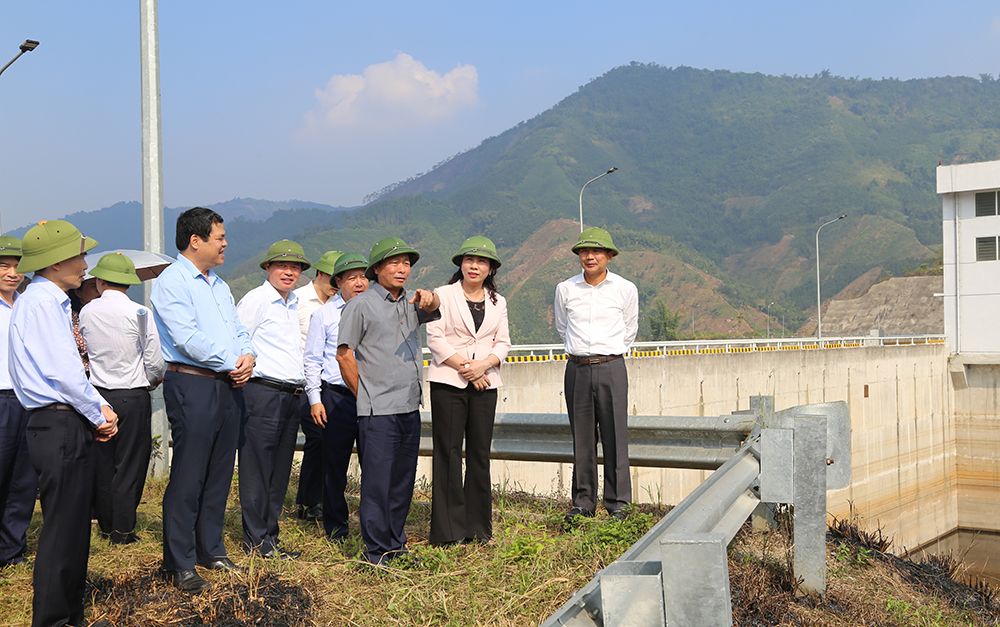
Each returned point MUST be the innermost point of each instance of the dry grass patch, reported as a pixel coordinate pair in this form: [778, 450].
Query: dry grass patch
[535, 565]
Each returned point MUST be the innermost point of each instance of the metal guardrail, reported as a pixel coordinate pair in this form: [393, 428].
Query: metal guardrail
[556, 352]
[792, 456]
[657, 441]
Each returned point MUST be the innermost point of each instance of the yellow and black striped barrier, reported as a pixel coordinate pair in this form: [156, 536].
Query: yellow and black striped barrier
[722, 348]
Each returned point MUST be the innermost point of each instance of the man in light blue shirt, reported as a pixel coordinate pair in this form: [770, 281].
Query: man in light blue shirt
[273, 398]
[18, 480]
[332, 404]
[209, 359]
[66, 415]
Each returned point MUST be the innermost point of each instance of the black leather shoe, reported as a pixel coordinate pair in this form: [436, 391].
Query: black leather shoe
[282, 554]
[223, 563]
[618, 515]
[577, 511]
[185, 580]
[312, 513]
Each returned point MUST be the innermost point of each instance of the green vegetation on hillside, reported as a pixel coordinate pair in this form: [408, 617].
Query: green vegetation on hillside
[724, 178]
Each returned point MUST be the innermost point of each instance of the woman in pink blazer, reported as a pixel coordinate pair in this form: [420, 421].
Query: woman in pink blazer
[467, 345]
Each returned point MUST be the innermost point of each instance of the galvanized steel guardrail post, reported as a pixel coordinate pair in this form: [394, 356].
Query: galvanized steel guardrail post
[791, 456]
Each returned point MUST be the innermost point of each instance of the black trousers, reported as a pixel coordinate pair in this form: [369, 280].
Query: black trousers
[310, 491]
[204, 415]
[122, 462]
[18, 480]
[266, 462]
[597, 400]
[339, 438]
[61, 446]
[461, 511]
[388, 447]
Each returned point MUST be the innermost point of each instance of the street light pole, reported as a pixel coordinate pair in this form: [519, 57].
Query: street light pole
[819, 303]
[152, 146]
[27, 46]
[769, 320]
[585, 187]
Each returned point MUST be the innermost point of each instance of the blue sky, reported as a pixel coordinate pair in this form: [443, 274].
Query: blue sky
[329, 101]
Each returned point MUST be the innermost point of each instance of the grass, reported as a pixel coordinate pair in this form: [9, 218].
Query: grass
[536, 564]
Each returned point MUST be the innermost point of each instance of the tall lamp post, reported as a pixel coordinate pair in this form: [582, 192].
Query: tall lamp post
[819, 303]
[585, 187]
[769, 320]
[27, 46]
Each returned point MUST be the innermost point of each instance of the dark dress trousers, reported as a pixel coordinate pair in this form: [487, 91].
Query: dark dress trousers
[266, 462]
[339, 438]
[595, 394]
[18, 480]
[122, 463]
[462, 512]
[388, 445]
[204, 416]
[310, 490]
[61, 445]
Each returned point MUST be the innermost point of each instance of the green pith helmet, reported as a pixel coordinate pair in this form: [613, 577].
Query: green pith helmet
[478, 246]
[50, 242]
[348, 261]
[10, 246]
[285, 250]
[328, 262]
[595, 238]
[116, 268]
[388, 247]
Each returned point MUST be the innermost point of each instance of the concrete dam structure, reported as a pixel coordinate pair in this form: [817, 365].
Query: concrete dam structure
[925, 458]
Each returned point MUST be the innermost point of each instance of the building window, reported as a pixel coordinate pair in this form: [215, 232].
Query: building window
[986, 248]
[986, 204]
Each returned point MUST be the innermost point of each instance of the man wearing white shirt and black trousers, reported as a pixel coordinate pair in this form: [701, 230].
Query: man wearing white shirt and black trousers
[125, 360]
[66, 415]
[596, 314]
[272, 398]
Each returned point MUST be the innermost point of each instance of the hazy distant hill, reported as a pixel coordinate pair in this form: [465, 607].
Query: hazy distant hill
[250, 224]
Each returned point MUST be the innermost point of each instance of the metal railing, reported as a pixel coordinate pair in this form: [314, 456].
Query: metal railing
[697, 442]
[555, 352]
[792, 456]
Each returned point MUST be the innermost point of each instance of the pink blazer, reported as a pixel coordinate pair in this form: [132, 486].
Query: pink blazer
[455, 333]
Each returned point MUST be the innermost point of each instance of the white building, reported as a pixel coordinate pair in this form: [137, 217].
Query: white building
[971, 212]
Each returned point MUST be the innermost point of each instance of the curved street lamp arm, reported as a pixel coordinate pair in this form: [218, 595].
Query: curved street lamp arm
[615, 169]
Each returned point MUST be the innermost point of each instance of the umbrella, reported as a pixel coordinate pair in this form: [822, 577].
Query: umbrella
[147, 265]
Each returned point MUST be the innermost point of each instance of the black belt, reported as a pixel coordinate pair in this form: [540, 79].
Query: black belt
[592, 360]
[294, 389]
[7, 393]
[343, 389]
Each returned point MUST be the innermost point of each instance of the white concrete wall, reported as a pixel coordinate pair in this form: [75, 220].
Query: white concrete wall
[903, 435]
[968, 321]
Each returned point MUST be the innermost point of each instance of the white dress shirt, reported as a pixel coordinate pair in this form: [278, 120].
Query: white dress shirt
[321, 348]
[5, 312]
[122, 343]
[309, 302]
[273, 324]
[597, 319]
[45, 365]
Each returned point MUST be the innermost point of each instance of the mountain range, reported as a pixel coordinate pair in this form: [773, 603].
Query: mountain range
[723, 181]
